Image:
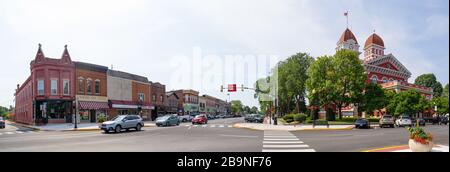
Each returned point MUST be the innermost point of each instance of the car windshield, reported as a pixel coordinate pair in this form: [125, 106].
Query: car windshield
[165, 117]
[360, 120]
[405, 117]
[199, 116]
[1, 118]
[387, 117]
[118, 118]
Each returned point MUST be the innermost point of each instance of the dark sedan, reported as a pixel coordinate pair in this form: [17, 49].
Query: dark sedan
[2, 122]
[362, 123]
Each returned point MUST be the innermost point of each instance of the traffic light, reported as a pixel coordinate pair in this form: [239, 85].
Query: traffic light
[242, 87]
[221, 88]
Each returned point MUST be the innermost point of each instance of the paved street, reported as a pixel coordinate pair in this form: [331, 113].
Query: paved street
[217, 136]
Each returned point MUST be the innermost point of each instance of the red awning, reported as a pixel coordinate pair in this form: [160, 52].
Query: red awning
[93, 105]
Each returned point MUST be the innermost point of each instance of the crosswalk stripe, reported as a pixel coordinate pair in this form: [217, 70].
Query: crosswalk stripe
[280, 137]
[204, 126]
[195, 125]
[293, 139]
[289, 142]
[9, 133]
[288, 150]
[213, 126]
[221, 126]
[19, 132]
[285, 146]
[229, 126]
[187, 125]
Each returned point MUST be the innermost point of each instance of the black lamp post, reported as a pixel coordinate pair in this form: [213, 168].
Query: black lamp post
[75, 116]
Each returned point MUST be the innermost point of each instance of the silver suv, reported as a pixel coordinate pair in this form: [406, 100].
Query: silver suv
[387, 120]
[121, 122]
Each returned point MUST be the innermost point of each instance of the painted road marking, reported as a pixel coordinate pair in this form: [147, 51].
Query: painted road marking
[275, 142]
[283, 141]
[288, 150]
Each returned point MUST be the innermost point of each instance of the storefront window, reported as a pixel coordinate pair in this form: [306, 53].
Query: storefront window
[84, 115]
[141, 96]
[58, 109]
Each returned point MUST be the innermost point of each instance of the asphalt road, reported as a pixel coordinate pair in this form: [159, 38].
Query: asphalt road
[217, 136]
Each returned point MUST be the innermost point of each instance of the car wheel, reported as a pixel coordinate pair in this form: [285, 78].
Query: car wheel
[118, 129]
[106, 131]
[167, 124]
[138, 127]
[184, 120]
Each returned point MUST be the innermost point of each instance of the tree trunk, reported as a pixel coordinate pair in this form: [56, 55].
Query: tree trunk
[340, 112]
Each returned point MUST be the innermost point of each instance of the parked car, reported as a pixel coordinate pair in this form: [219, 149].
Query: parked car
[249, 118]
[403, 121]
[2, 123]
[421, 121]
[386, 120]
[210, 117]
[118, 123]
[443, 120]
[258, 118]
[362, 123]
[167, 120]
[200, 119]
[185, 118]
[221, 116]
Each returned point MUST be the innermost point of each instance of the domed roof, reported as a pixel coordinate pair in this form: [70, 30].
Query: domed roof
[347, 35]
[374, 39]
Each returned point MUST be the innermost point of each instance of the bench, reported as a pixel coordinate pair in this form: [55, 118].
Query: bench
[321, 122]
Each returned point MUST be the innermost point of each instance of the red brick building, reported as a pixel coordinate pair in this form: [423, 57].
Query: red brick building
[48, 93]
[158, 96]
[91, 93]
[383, 69]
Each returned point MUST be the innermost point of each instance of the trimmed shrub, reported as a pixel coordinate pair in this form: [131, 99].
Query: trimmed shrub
[288, 118]
[300, 117]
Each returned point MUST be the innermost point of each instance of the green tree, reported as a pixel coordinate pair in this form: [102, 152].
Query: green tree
[3, 111]
[246, 109]
[442, 105]
[236, 107]
[429, 80]
[348, 79]
[319, 84]
[254, 110]
[292, 78]
[445, 91]
[374, 99]
[407, 102]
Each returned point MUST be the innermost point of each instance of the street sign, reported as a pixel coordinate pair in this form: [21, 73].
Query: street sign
[231, 87]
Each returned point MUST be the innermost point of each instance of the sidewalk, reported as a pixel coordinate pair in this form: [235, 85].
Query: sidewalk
[69, 126]
[302, 127]
[405, 148]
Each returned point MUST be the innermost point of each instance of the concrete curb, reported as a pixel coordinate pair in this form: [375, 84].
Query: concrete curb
[312, 129]
[384, 148]
[79, 129]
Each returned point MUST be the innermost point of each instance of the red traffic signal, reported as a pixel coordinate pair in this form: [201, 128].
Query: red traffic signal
[231, 87]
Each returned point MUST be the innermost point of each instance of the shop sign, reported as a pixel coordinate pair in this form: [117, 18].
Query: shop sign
[92, 98]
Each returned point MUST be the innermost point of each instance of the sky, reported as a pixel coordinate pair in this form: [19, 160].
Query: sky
[202, 44]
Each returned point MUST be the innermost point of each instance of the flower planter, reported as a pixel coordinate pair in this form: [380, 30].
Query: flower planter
[419, 147]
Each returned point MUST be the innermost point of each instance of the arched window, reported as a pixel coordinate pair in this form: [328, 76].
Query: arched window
[97, 86]
[89, 85]
[384, 80]
[81, 85]
[390, 79]
[374, 79]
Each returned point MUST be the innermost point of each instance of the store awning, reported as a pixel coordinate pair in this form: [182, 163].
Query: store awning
[93, 105]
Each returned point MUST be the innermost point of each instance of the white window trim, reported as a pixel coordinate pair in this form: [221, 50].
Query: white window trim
[374, 77]
[51, 86]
